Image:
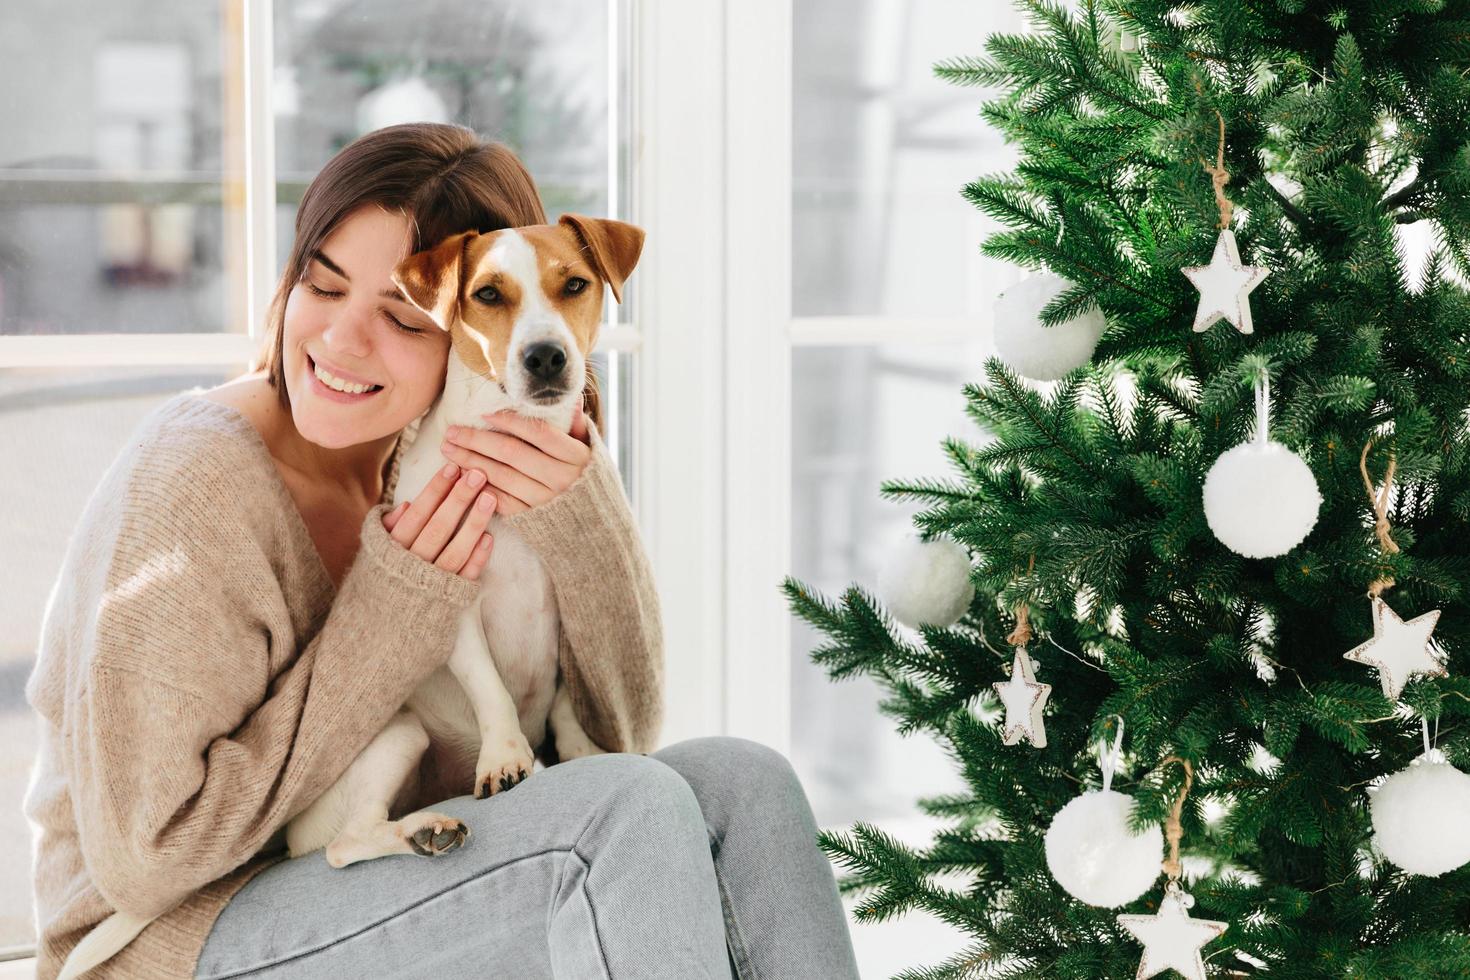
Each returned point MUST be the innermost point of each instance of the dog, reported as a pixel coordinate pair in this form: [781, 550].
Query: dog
[519, 339]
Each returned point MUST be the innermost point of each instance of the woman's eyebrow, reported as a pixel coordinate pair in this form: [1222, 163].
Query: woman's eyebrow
[393, 294]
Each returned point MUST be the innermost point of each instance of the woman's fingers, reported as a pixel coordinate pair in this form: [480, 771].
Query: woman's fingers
[508, 503]
[505, 478]
[446, 517]
[540, 434]
[475, 447]
[480, 557]
[451, 496]
[408, 524]
[471, 543]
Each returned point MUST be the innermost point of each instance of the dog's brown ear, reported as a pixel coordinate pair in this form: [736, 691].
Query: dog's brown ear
[431, 278]
[611, 246]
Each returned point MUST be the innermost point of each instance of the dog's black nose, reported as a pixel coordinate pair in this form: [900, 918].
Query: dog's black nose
[545, 360]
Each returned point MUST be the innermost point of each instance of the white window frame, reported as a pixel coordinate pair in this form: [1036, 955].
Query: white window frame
[715, 426]
[711, 323]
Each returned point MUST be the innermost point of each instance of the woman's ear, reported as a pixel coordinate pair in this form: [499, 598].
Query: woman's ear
[431, 279]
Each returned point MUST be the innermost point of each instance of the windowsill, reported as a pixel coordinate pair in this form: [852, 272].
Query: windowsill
[18, 969]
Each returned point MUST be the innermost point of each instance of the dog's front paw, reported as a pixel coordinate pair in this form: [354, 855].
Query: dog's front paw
[504, 762]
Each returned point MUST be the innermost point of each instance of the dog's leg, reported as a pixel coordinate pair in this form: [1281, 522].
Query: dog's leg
[572, 740]
[505, 754]
[364, 794]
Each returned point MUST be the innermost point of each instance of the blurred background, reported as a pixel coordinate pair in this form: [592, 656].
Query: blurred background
[153, 158]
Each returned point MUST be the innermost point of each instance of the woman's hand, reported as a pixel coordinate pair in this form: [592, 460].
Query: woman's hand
[525, 461]
[425, 525]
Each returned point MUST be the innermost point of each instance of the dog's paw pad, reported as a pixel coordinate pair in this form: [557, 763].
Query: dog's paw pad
[438, 838]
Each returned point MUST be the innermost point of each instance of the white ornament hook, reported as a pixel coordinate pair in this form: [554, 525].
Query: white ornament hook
[1108, 761]
[1430, 751]
[1263, 408]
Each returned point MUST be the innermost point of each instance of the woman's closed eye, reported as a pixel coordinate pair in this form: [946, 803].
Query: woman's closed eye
[326, 294]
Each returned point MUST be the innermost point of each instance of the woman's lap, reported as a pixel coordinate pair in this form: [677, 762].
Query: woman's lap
[523, 898]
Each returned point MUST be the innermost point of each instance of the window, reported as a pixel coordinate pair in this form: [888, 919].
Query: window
[154, 157]
[890, 306]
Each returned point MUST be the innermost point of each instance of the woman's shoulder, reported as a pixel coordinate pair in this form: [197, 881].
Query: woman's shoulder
[198, 432]
[250, 397]
[193, 454]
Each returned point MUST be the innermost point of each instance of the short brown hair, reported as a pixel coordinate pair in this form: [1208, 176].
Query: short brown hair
[441, 176]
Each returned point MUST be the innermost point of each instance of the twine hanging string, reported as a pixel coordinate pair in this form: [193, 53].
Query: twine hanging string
[1021, 635]
[1221, 176]
[1380, 514]
[1173, 828]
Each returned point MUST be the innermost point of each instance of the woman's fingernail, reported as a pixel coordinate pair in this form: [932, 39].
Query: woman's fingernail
[450, 470]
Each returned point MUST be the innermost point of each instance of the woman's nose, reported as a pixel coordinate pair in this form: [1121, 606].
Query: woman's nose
[348, 329]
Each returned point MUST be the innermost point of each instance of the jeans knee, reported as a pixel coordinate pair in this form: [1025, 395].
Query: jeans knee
[750, 761]
[646, 792]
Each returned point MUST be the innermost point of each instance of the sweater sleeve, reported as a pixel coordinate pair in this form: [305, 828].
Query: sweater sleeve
[611, 648]
[180, 773]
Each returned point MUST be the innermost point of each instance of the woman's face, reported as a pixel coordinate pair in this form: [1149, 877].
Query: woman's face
[340, 316]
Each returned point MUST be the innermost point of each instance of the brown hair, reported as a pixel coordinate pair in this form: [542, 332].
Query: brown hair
[443, 177]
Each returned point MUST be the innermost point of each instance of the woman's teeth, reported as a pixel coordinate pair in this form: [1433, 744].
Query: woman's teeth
[337, 384]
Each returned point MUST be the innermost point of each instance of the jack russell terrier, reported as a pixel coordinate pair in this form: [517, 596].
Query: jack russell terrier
[522, 307]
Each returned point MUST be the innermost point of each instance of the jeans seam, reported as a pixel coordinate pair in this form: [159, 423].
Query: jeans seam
[302, 954]
[733, 937]
[592, 911]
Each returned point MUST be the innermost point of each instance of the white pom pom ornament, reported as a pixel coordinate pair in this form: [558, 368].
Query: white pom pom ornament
[1092, 853]
[927, 582]
[1421, 816]
[1035, 351]
[1261, 499]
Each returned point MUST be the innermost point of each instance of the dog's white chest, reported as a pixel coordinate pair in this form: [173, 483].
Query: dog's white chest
[518, 614]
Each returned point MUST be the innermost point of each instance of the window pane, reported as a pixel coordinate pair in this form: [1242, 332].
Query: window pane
[112, 167]
[59, 431]
[880, 151]
[531, 75]
[861, 415]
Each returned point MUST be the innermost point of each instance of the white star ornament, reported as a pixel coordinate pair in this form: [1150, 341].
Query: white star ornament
[1225, 286]
[1023, 699]
[1399, 649]
[1171, 939]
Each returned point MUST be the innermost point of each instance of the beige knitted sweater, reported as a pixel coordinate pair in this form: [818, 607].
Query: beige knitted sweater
[200, 680]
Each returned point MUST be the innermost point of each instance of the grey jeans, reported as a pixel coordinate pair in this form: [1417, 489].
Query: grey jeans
[698, 860]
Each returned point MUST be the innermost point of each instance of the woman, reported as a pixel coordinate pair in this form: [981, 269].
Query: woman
[238, 614]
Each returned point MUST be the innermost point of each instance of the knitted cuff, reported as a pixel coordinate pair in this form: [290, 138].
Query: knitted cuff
[407, 568]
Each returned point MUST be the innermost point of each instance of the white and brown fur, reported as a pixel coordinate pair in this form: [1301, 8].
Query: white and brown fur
[477, 724]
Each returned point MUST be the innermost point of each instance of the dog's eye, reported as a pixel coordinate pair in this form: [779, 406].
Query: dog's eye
[575, 285]
[487, 295]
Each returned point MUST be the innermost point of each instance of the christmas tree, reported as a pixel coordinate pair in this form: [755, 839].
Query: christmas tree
[1216, 550]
